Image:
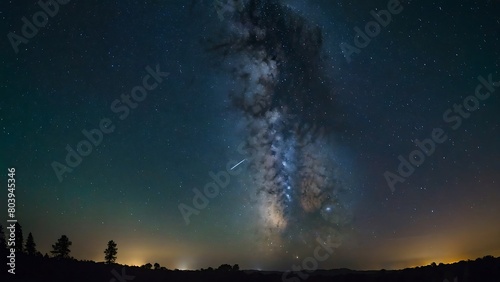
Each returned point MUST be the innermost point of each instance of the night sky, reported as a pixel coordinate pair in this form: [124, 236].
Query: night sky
[313, 134]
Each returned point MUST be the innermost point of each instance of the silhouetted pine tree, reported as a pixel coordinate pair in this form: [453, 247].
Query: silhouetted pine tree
[19, 238]
[61, 248]
[110, 252]
[30, 245]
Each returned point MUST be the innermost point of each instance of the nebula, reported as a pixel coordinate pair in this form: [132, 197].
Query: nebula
[288, 105]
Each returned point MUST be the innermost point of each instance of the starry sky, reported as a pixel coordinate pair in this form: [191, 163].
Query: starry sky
[241, 132]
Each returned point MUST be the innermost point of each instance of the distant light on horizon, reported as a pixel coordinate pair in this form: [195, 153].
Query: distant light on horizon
[184, 265]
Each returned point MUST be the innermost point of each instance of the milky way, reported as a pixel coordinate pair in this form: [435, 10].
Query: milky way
[288, 107]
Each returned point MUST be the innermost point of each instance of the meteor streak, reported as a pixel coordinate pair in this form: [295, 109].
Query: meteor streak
[237, 164]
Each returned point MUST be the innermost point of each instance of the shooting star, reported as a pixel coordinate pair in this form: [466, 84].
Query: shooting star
[237, 164]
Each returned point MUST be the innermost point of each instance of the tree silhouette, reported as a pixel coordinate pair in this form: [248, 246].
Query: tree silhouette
[147, 265]
[19, 238]
[157, 266]
[225, 267]
[110, 252]
[61, 247]
[236, 267]
[30, 245]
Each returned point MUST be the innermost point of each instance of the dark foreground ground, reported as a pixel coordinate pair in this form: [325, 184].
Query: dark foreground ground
[48, 269]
